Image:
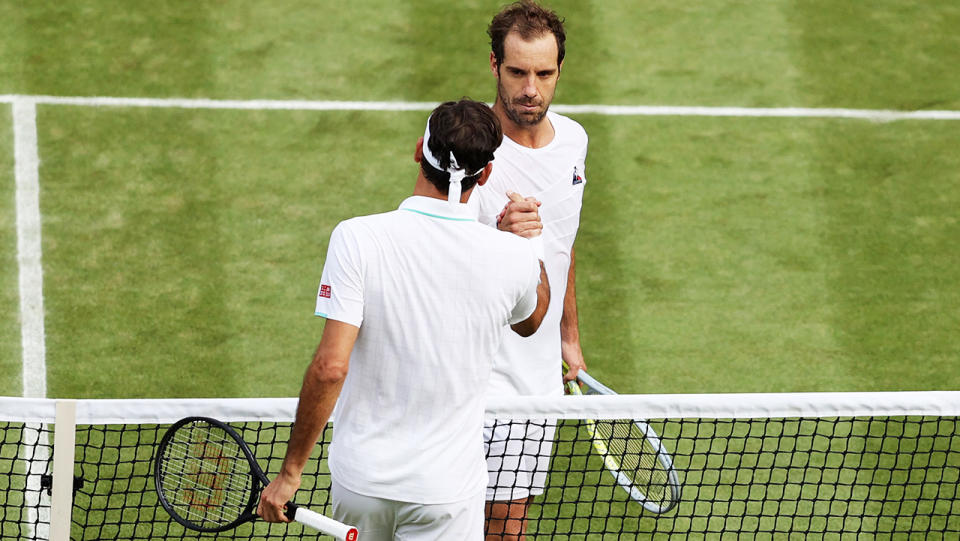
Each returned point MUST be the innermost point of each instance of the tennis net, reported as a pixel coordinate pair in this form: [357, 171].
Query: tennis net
[764, 466]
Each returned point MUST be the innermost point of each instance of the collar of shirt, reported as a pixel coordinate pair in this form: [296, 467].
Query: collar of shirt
[439, 208]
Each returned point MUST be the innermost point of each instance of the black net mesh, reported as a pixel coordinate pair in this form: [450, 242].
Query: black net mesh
[25, 477]
[833, 478]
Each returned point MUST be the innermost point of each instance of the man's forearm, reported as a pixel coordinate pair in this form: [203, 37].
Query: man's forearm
[317, 399]
[318, 395]
[570, 327]
[530, 325]
[321, 387]
[569, 321]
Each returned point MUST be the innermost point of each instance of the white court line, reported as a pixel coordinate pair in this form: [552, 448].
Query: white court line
[27, 177]
[34, 450]
[613, 110]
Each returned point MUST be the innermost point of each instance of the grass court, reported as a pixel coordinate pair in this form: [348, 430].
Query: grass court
[181, 247]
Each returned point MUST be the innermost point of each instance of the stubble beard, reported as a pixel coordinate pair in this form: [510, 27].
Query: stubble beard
[518, 118]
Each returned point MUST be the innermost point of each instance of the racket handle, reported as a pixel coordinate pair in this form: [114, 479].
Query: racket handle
[321, 523]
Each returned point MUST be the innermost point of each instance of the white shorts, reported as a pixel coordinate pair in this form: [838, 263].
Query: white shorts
[518, 458]
[379, 519]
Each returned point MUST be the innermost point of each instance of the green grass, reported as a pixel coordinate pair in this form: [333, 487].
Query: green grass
[753, 248]
[892, 230]
[10, 354]
[182, 248]
[203, 243]
[200, 251]
[886, 54]
[715, 254]
[296, 49]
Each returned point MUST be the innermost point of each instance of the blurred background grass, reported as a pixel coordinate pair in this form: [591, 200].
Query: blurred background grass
[10, 363]
[884, 54]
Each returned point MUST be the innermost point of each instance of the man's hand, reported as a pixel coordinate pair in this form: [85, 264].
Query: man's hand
[275, 497]
[520, 216]
[573, 356]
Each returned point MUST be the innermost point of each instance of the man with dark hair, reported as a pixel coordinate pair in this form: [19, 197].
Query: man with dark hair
[542, 157]
[415, 301]
[470, 129]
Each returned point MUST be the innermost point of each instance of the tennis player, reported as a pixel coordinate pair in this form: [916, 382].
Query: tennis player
[542, 158]
[415, 302]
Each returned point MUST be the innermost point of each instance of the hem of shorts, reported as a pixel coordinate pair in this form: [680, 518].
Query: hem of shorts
[514, 496]
[480, 489]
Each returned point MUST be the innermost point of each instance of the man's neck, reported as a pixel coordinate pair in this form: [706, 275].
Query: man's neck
[425, 188]
[536, 136]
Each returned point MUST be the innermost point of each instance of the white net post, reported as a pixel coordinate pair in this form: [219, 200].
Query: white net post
[64, 439]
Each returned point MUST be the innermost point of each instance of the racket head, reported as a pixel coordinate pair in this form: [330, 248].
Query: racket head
[205, 475]
[632, 452]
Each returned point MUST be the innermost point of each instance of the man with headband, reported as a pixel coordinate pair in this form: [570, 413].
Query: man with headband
[415, 301]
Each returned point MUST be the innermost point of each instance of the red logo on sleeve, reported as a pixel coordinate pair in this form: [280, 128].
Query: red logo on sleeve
[325, 291]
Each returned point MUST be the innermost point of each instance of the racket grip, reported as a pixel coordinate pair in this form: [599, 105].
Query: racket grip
[321, 523]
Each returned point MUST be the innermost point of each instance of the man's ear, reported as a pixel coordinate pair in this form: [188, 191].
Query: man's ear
[485, 175]
[418, 151]
[494, 68]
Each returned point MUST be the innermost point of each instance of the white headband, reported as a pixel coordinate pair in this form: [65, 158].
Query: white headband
[456, 172]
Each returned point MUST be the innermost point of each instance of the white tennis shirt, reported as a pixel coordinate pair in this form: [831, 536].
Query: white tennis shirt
[554, 174]
[431, 290]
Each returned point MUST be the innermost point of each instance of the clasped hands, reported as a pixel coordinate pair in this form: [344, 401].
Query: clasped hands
[521, 216]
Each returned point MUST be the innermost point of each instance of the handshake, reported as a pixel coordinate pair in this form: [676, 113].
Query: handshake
[521, 216]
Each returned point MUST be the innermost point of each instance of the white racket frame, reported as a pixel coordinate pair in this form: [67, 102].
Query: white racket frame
[611, 462]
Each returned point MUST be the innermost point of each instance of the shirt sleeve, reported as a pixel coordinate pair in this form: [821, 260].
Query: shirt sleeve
[340, 295]
[483, 200]
[528, 298]
[582, 165]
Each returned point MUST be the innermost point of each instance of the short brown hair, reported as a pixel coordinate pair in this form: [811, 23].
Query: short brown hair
[528, 19]
[471, 131]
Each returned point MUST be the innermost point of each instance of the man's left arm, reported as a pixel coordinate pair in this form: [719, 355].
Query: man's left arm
[570, 327]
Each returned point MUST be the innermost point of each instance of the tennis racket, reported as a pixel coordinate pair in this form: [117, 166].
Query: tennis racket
[632, 453]
[208, 480]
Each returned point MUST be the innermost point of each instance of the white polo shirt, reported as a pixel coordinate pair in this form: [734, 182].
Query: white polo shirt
[554, 174]
[431, 290]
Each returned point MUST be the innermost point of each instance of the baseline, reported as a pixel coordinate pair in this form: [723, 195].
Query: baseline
[882, 115]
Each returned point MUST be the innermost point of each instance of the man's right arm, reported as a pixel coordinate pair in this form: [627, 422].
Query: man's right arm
[340, 301]
[521, 216]
[321, 387]
[530, 325]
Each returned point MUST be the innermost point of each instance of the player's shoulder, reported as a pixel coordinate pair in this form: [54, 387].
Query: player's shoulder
[567, 127]
[361, 226]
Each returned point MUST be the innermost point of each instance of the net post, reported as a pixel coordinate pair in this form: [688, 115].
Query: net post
[64, 441]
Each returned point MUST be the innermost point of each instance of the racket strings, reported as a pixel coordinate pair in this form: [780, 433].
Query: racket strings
[637, 459]
[628, 449]
[205, 475]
